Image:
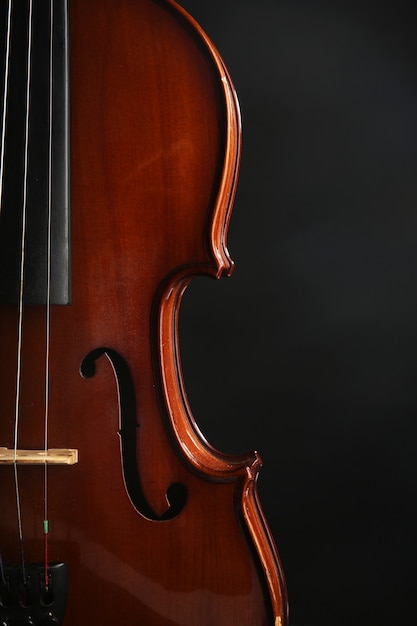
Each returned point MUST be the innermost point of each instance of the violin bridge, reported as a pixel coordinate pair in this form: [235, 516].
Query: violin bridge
[53, 456]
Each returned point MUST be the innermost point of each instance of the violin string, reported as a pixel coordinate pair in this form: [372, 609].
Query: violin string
[21, 289]
[5, 98]
[3, 148]
[48, 296]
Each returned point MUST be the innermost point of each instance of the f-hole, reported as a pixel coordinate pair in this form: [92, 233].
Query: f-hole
[176, 494]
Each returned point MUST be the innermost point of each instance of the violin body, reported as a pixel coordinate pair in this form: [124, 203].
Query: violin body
[154, 526]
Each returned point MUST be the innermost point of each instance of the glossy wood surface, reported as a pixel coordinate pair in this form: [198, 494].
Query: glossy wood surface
[155, 142]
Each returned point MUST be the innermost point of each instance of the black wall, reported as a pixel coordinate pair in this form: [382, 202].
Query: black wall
[315, 337]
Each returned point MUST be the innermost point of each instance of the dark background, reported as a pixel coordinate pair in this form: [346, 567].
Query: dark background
[308, 353]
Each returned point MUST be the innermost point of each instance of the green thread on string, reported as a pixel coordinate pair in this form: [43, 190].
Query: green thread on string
[45, 526]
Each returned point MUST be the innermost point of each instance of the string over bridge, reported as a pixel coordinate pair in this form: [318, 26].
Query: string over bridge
[53, 456]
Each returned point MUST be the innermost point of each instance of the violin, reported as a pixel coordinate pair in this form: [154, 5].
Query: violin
[119, 157]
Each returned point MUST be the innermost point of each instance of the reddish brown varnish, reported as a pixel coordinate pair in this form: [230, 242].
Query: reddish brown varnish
[155, 141]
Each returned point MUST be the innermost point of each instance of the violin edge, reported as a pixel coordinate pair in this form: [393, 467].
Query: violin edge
[265, 547]
[223, 265]
[201, 456]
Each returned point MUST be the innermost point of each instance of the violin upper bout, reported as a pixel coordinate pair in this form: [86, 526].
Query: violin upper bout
[228, 182]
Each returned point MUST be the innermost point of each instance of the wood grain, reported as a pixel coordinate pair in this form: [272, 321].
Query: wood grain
[155, 142]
